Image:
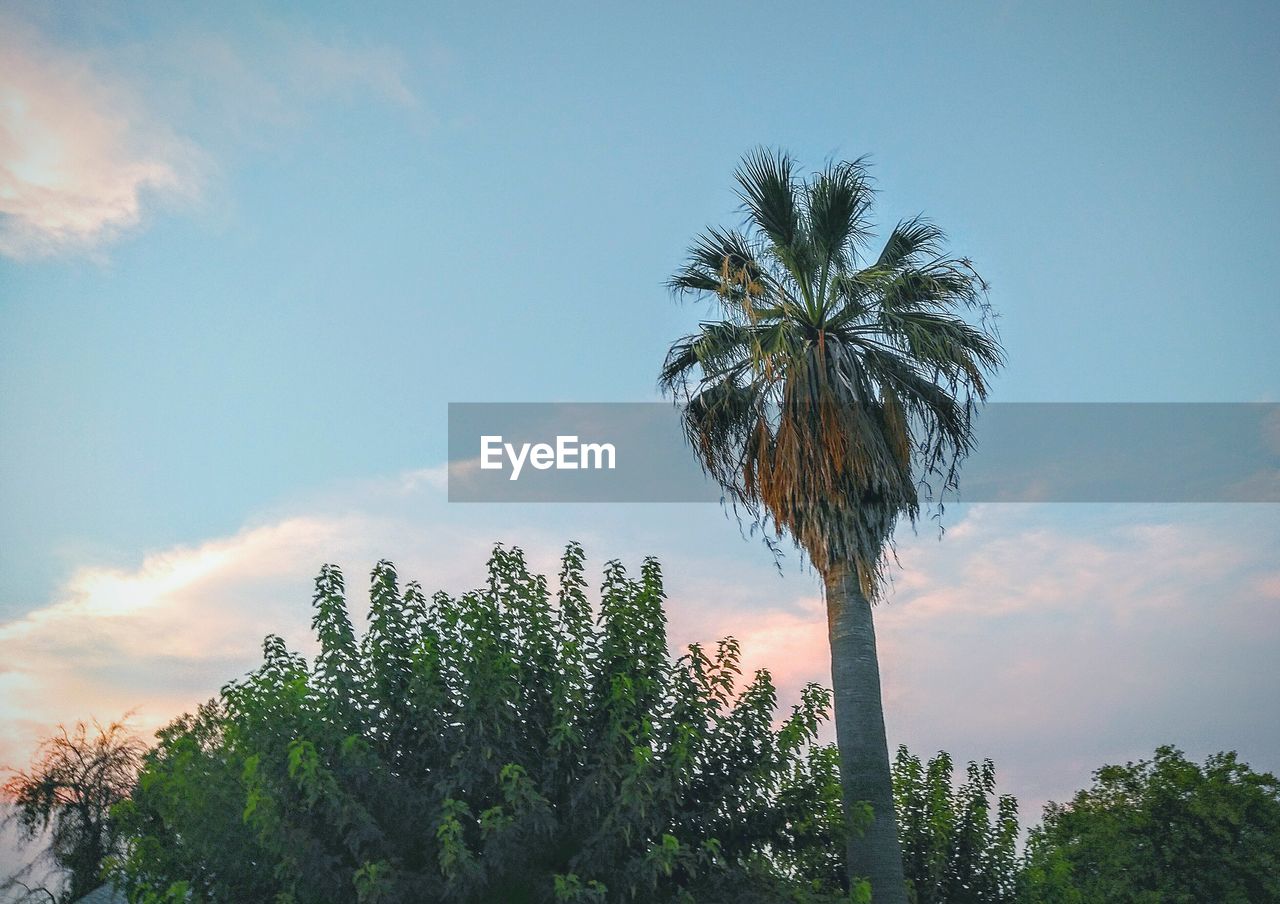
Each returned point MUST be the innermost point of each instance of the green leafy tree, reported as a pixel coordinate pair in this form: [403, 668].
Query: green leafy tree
[512, 745]
[959, 842]
[1161, 831]
[836, 380]
[66, 796]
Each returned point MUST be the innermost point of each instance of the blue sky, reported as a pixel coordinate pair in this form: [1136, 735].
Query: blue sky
[248, 254]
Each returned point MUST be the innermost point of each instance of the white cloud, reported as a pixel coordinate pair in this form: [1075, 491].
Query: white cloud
[80, 157]
[162, 636]
[90, 141]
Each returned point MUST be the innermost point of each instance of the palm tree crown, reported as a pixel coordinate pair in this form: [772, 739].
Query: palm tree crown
[837, 383]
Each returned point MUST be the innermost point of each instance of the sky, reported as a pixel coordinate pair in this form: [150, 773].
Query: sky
[249, 253]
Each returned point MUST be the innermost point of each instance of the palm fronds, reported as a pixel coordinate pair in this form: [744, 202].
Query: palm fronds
[838, 381]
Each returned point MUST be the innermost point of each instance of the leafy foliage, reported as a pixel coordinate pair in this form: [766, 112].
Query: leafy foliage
[959, 843]
[504, 746]
[838, 378]
[1161, 831]
[77, 776]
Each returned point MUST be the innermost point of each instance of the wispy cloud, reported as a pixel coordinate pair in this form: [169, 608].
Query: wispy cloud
[80, 156]
[230, 88]
[164, 635]
[1057, 638]
[93, 141]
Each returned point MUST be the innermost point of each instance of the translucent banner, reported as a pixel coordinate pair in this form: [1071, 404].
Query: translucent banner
[1026, 452]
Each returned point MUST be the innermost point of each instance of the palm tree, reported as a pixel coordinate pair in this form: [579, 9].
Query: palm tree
[835, 386]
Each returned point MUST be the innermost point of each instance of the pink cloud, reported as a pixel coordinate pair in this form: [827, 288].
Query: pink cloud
[1058, 638]
[164, 635]
[80, 157]
[1051, 638]
[789, 640]
[89, 148]
[1268, 586]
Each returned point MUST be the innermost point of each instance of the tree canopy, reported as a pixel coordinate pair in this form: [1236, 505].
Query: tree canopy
[511, 745]
[840, 375]
[77, 776]
[959, 842]
[1161, 831]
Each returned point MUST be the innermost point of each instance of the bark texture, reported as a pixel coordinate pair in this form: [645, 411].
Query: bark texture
[875, 854]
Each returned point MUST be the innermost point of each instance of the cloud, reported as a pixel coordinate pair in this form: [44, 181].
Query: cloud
[80, 156]
[93, 141]
[164, 635]
[160, 637]
[245, 90]
[335, 70]
[1056, 638]
[1050, 638]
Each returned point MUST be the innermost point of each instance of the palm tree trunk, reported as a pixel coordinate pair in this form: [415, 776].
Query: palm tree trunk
[874, 854]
